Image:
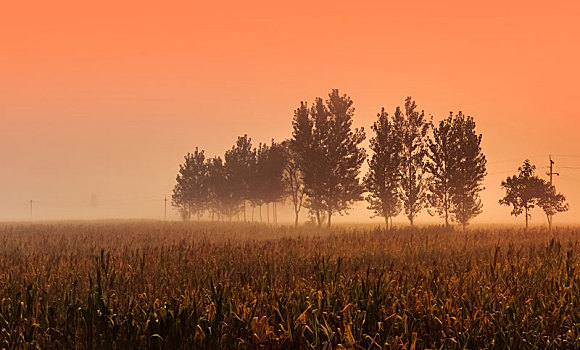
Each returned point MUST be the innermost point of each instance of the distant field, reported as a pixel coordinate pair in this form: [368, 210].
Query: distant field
[117, 285]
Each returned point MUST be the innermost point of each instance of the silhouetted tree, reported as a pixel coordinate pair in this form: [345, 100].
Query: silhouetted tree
[293, 178]
[308, 130]
[329, 154]
[216, 180]
[271, 161]
[383, 178]
[468, 169]
[523, 191]
[441, 158]
[238, 164]
[255, 189]
[191, 193]
[552, 202]
[412, 128]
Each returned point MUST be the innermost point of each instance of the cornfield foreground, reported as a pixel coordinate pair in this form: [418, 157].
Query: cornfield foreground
[130, 285]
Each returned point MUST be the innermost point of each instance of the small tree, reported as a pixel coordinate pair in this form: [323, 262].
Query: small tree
[191, 194]
[383, 178]
[523, 191]
[552, 203]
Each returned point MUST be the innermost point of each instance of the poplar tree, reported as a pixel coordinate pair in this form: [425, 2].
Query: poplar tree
[383, 178]
[238, 164]
[441, 158]
[191, 193]
[345, 156]
[467, 170]
[412, 127]
[306, 142]
[293, 178]
[270, 161]
[219, 188]
[329, 154]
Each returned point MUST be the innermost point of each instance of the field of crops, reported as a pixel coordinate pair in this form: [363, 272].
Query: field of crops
[117, 285]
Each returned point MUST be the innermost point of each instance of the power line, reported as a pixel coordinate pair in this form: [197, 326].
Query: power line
[500, 172]
[519, 159]
[566, 155]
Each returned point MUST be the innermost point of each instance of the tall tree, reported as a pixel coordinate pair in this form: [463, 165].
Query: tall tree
[412, 127]
[190, 194]
[316, 164]
[345, 156]
[306, 145]
[440, 162]
[329, 154]
[552, 202]
[523, 192]
[293, 178]
[383, 178]
[468, 169]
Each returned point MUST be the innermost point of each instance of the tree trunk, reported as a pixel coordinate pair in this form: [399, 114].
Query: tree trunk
[329, 216]
[526, 218]
[318, 217]
[411, 219]
[387, 223]
[296, 218]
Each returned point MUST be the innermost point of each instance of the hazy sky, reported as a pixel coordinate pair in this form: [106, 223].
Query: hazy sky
[105, 99]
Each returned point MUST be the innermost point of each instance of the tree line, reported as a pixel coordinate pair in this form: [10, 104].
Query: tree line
[413, 165]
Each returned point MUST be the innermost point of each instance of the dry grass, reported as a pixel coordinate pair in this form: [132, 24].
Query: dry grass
[177, 285]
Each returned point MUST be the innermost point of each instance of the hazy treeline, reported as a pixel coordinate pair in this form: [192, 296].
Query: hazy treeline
[414, 165]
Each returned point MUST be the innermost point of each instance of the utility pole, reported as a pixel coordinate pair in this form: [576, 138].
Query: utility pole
[31, 208]
[551, 174]
[552, 170]
[165, 212]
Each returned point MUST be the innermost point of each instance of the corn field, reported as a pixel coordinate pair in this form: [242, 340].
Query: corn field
[164, 285]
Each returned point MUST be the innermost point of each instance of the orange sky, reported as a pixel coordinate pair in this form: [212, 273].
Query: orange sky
[106, 99]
